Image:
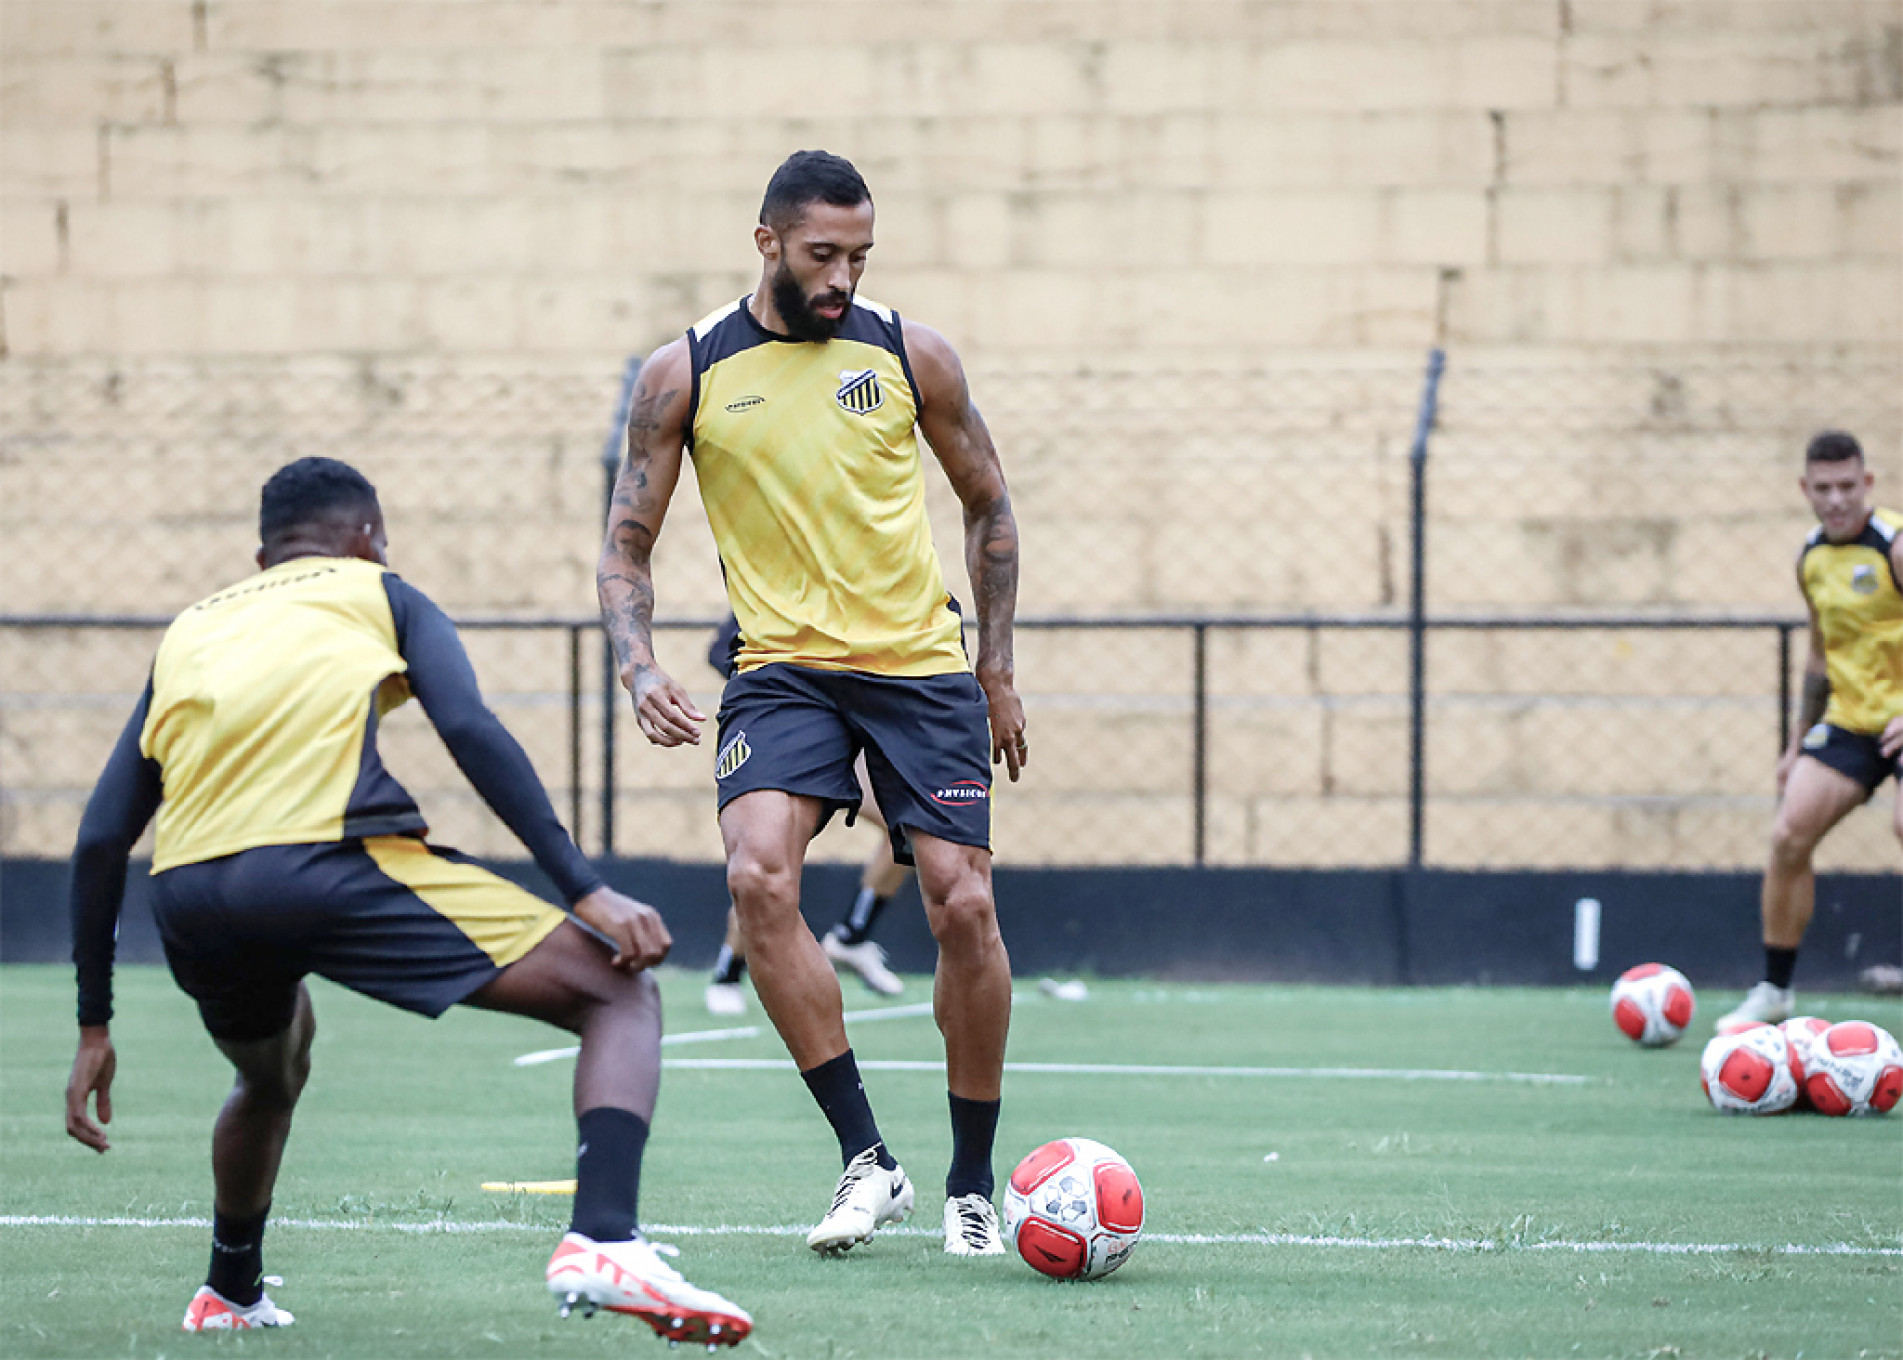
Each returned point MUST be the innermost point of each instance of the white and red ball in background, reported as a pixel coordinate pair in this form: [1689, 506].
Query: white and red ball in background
[1800, 1031]
[1749, 1071]
[1854, 1068]
[1073, 1209]
[1652, 1004]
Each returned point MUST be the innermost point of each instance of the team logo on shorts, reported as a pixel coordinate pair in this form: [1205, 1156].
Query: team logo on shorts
[1863, 579]
[962, 794]
[859, 391]
[1817, 738]
[732, 756]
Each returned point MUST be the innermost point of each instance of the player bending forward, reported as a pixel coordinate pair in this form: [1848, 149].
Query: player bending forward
[802, 405]
[1849, 736]
[285, 848]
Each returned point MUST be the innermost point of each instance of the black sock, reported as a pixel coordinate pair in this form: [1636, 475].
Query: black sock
[1779, 964]
[237, 1257]
[841, 1097]
[974, 1128]
[608, 1173]
[729, 967]
[858, 922]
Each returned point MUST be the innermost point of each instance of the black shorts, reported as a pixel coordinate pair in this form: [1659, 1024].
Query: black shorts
[927, 741]
[389, 916]
[1854, 754]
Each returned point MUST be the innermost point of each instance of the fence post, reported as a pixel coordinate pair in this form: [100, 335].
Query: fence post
[1783, 688]
[1417, 611]
[1199, 758]
[574, 731]
[610, 678]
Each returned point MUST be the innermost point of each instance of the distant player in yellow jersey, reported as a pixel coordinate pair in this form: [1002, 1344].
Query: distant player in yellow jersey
[285, 848]
[801, 406]
[1849, 737]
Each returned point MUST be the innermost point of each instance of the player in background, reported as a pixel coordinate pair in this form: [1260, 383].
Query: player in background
[285, 848]
[802, 405]
[1849, 736]
[849, 944]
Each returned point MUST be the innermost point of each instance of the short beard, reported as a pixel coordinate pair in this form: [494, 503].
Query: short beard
[797, 314]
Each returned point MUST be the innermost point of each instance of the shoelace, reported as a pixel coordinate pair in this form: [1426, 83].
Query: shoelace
[861, 1166]
[974, 1223]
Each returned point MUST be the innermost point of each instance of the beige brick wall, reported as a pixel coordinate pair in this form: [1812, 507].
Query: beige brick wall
[1192, 254]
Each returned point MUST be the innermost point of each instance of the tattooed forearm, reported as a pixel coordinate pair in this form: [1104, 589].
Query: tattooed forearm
[991, 556]
[624, 582]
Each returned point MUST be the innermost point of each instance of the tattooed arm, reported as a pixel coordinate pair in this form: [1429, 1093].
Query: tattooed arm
[623, 579]
[958, 436]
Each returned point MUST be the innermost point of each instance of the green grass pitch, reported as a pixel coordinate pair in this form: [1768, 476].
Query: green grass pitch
[1351, 1216]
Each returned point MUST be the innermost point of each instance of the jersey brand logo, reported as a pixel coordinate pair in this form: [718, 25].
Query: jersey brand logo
[964, 792]
[732, 756]
[859, 391]
[1863, 579]
[745, 404]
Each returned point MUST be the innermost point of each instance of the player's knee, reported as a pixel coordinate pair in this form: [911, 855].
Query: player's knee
[963, 917]
[1791, 845]
[760, 889]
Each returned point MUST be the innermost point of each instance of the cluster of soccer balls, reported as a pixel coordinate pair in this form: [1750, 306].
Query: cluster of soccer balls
[1852, 1068]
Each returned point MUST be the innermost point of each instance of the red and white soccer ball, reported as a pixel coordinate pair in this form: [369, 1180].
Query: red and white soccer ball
[1749, 1071]
[1652, 1004]
[1073, 1209]
[1800, 1031]
[1854, 1068]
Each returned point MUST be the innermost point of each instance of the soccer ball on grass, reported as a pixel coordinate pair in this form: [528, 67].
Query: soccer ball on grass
[1073, 1209]
[1800, 1032]
[1854, 1068]
[1652, 1004]
[1749, 1071]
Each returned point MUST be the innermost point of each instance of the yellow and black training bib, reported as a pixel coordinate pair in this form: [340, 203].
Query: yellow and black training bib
[808, 459]
[1859, 602]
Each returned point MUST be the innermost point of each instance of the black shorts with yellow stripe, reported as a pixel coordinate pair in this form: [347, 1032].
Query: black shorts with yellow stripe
[391, 917]
[1856, 755]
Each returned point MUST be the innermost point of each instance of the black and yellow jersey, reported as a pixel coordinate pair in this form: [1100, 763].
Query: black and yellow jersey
[808, 460]
[259, 727]
[1858, 600]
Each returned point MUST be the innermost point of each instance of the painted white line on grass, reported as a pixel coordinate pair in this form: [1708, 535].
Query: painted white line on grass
[704, 1036]
[1152, 1070]
[453, 1228]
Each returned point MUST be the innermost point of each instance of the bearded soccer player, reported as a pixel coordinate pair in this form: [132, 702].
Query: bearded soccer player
[801, 405]
[1849, 737]
[285, 848]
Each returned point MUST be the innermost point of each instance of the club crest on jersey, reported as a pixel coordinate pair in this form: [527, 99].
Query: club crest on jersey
[859, 391]
[732, 756]
[1863, 579]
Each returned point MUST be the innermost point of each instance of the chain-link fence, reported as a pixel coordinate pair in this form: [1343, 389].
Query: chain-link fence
[1217, 575]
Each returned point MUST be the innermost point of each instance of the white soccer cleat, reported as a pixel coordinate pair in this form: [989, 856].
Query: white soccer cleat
[1762, 1005]
[211, 1311]
[866, 959]
[726, 998]
[971, 1227]
[630, 1277]
[868, 1198]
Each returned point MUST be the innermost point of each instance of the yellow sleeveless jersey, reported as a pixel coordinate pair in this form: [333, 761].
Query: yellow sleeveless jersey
[265, 700]
[1859, 602]
[808, 461]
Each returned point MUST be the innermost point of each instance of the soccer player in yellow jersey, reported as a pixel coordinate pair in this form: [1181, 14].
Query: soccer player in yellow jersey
[285, 848]
[1849, 736]
[801, 406]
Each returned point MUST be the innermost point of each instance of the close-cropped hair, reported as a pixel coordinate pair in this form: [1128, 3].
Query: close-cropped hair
[1833, 446]
[810, 177]
[310, 490]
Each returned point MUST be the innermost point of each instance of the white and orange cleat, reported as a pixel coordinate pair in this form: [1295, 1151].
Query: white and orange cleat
[211, 1311]
[630, 1277]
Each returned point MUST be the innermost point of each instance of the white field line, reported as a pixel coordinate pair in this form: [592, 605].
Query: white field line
[1151, 1070]
[449, 1228]
[703, 1036]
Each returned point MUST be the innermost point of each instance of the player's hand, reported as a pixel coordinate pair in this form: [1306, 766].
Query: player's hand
[666, 715]
[1785, 763]
[1891, 742]
[93, 1067]
[1007, 723]
[640, 936]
